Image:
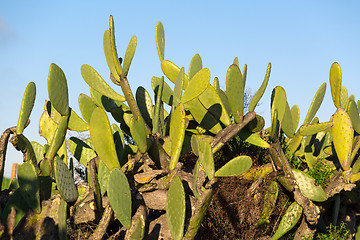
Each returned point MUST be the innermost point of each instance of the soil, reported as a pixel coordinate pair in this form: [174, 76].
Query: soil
[235, 211]
[237, 204]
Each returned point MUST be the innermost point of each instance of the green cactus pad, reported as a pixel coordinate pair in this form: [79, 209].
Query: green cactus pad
[278, 102]
[293, 144]
[27, 105]
[289, 220]
[109, 56]
[58, 140]
[17, 202]
[120, 196]
[80, 150]
[197, 85]
[269, 203]
[167, 93]
[235, 167]
[212, 102]
[274, 129]
[87, 106]
[175, 208]
[170, 70]
[311, 129]
[195, 66]
[295, 114]
[244, 75]
[235, 92]
[145, 105]
[138, 133]
[354, 115]
[307, 186]
[119, 142]
[102, 138]
[106, 103]
[179, 86]
[253, 138]
[256, 98]
[206, 157]
[287, 122]
[177, 134]
[139, 229]
[64, 181]
[76, 123]
[114, 54]
[256, 124]
[160, 40]
[157, 121]
[103, 177]
[224, 100]
[29, 185]
[62, 214]
[39, 151]
[236, 61]
[203, 117]
[58, 89]
[344, 98]
[315, 104]
[216, 83]
[95, 81]
[335, 83]
[129, 54]
[343, 133]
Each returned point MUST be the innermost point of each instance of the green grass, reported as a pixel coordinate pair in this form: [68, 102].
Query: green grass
[322, 173]
[333, 233]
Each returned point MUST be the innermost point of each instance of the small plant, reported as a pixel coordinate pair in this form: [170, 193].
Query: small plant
[332, 233]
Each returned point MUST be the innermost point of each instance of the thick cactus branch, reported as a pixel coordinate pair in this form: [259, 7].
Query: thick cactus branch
[4, 139]
[229, 132]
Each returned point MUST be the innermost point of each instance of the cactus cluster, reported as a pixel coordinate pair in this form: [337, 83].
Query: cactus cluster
[128, 178]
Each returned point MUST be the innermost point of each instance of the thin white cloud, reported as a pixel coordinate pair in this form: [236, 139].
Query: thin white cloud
[7, 34]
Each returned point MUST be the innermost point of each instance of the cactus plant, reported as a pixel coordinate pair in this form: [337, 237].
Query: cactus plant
[175, 208]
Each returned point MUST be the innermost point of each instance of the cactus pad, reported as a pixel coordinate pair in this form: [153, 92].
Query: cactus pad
[58, 89]
[130, 51]
[175, 208]
[65, 181]
[160, 40]
[102, 138]
[235, 92]
[197, 85]
[335, 83]
[235, 167]
[289, 220]
[256, 98]
[26, 107]
[120, 196]
[343, 133]
[29, 185]
[95, 81]
[195, 66]
[307, 186]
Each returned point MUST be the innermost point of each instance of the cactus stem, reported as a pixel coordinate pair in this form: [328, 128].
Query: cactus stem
[229, 132]
[96, 186]
[4, 139]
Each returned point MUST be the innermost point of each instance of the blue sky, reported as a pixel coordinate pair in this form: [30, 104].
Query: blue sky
[300, 38]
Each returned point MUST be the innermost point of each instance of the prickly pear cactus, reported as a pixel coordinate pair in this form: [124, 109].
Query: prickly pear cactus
[29, 185]
[120, 197]
[65, 181]
[175, 208]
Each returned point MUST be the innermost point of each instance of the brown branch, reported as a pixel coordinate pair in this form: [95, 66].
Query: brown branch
[103, 224]
[229, 132]
[4, 139]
